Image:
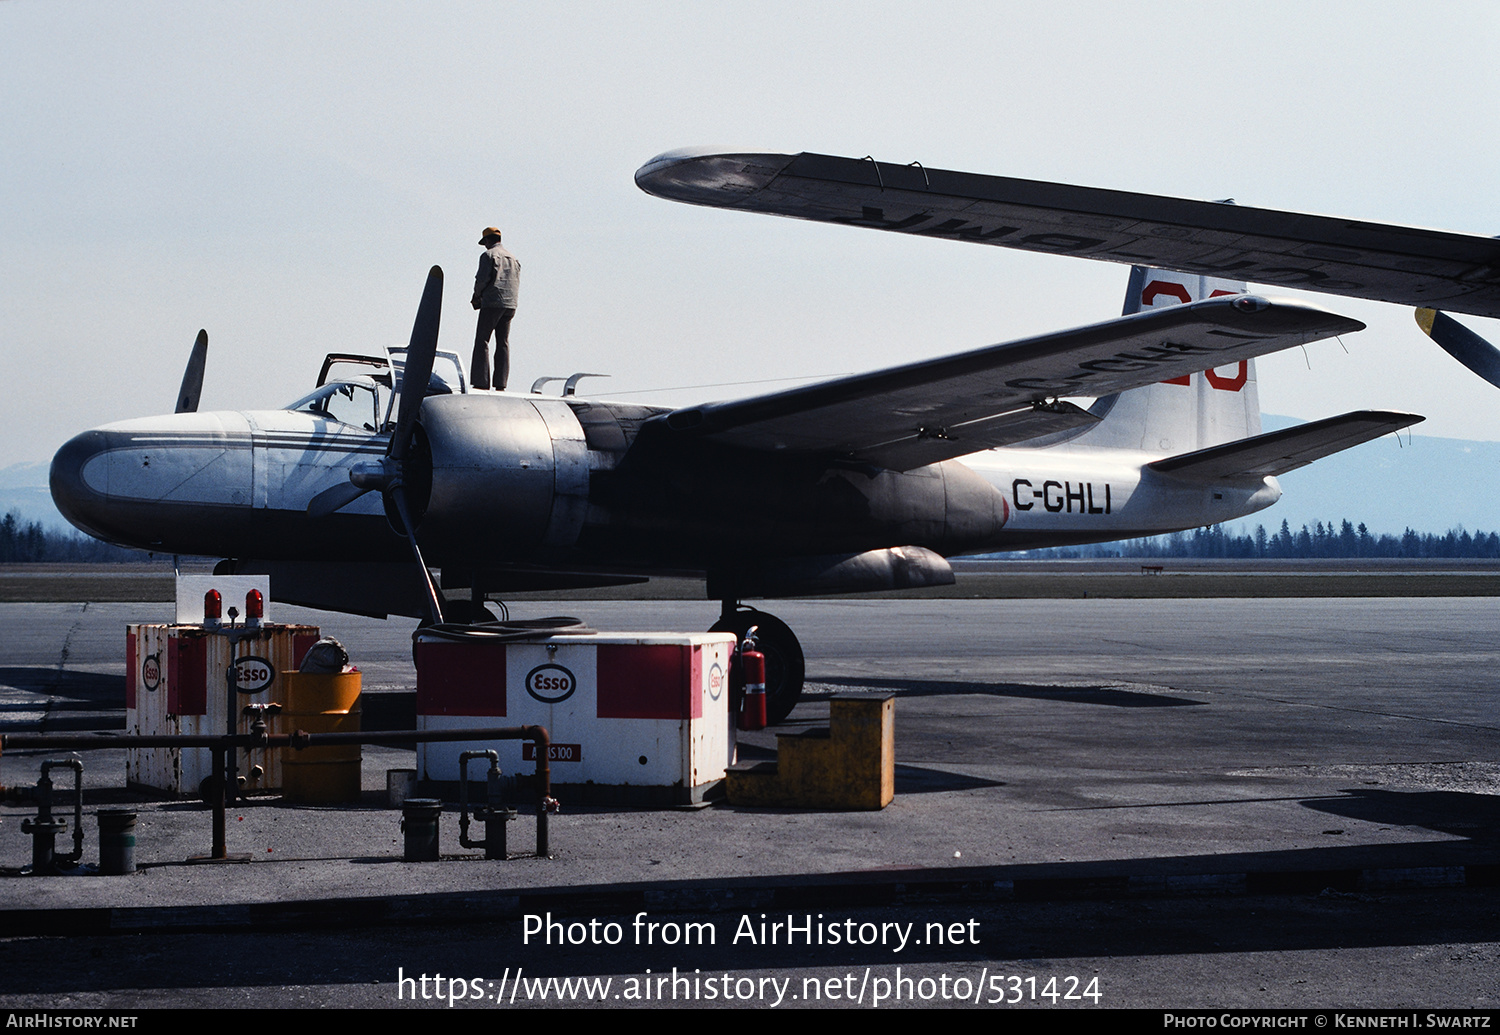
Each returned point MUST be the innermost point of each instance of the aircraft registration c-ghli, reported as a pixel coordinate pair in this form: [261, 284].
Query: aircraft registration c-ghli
[860, 483]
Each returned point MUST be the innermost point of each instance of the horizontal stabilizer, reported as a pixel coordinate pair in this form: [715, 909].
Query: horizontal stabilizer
[1408, 265]
[932, 410]
[1278, 452]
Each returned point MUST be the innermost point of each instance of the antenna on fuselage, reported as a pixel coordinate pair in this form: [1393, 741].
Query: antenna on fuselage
[570, 387]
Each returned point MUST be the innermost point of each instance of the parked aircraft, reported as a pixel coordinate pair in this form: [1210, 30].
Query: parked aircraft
[858, 483]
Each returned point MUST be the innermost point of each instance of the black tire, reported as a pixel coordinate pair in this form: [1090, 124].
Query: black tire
[461, 611]
[785, 666]
[211, 789]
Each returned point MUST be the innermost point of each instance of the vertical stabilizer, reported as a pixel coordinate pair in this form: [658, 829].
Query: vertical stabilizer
[1186, 413]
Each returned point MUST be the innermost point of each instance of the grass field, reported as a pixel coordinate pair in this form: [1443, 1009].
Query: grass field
[44, 583]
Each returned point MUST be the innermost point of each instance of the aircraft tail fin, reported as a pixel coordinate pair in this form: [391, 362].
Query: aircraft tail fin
[1187, 413]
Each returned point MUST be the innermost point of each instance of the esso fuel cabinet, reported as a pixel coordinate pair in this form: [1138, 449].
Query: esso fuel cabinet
[214, 670]
[634, 717]
[179, 680]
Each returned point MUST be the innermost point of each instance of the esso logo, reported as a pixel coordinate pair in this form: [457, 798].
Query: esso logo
[151, 671]
[550, 683]
[715, 681]
[252, 675]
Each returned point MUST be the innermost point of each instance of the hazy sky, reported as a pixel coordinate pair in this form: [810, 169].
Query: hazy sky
[284, 173]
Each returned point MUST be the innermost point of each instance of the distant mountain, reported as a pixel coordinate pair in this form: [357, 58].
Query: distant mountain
[1428, 484]
[23, 489]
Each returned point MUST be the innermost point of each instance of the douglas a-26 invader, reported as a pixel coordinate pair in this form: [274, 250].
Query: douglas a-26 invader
[860, 483]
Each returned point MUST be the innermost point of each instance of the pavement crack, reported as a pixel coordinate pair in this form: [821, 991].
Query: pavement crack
[62, 665]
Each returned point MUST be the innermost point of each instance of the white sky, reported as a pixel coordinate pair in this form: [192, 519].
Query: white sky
[284, 173]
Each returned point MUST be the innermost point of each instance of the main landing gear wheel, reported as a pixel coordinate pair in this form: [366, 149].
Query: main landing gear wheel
[785, 667]
[462, 612]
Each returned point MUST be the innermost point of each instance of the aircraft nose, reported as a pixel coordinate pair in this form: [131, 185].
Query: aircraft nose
[82, 503]
[179, 482]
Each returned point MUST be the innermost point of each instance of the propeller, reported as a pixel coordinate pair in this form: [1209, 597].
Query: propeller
[1461, 343]
[192, 378]
[388, 477]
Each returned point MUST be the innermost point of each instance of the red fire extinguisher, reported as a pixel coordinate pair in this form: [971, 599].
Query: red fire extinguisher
[753, 666]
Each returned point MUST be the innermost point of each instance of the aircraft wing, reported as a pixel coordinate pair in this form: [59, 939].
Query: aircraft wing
[1278, 452]
[1407, 265]
[920, 413]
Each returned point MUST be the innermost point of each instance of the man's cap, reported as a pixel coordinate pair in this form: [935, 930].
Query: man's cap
[489, 231]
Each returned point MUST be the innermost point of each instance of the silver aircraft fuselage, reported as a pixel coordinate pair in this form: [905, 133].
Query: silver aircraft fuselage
[514, 478]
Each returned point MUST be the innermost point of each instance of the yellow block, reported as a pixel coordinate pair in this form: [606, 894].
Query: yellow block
[321, 703]
[851, 765]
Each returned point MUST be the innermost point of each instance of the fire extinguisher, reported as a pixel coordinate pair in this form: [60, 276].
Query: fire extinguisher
[753, 667]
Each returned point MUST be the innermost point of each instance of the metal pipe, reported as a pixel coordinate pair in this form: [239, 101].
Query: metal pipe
[219, 793]
[463, 791]
[258, 737]
[493, 814]
[228, 765]
[45, 827]
[545, 803]
[75, 764]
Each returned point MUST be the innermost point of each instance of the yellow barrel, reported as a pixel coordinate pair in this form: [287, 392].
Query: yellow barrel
[321, 703]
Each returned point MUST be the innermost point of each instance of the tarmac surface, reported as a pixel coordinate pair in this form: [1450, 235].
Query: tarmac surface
[1259, 802]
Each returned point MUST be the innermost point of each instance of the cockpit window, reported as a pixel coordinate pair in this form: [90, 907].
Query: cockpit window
[364, 400]
[345, 401]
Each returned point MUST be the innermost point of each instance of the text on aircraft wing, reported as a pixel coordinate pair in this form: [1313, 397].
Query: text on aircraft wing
[1388, 263]
[1277, 452]
[920, 413]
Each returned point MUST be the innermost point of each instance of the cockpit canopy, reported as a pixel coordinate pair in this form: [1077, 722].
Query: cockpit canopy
[361, 395]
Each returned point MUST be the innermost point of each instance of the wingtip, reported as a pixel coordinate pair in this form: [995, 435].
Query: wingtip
[682, 155]
[1425, 319]
[713, 176]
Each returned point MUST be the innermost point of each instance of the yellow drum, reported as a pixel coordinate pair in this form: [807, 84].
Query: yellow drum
[321, 703]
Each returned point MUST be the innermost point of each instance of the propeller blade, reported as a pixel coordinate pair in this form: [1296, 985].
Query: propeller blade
[434, 605]
[389, 478]
[419, 357]
[334, 498]
[192, 378]
[1462, 344]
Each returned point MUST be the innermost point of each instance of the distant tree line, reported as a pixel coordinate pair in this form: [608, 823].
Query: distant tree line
[1319, 541]
[21, 542]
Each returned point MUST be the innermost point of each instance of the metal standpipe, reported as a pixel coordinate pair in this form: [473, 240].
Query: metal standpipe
[259, 738]
[227, 765]
[45, 827]
[493, 814]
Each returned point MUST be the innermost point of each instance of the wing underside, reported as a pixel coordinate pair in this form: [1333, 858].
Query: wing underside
[921, 413]
[1407, 265]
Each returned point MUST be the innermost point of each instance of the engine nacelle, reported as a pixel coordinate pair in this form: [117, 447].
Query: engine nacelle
[899, 567]
[508, 474]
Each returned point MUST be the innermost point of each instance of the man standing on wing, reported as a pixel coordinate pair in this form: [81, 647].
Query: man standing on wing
[496, 286]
